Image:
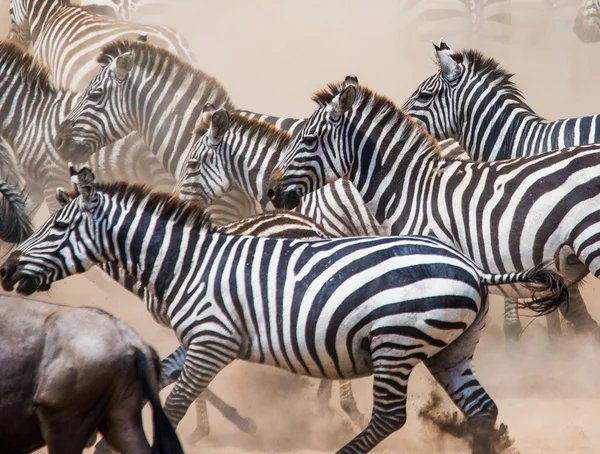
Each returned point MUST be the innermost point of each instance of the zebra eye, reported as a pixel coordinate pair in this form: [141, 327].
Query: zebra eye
[59, 225]
[310, 140]
[192, 163]
[95, 95]
[425, 96]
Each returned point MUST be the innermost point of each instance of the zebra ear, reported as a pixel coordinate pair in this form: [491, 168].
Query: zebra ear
[208, 111]
[62, 197]
[447, 64]
[342, 103]
[86, 185]
[351, 79]
[122, 65]
[219, 124]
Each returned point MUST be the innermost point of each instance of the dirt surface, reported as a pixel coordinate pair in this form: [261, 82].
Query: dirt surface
[271, 55]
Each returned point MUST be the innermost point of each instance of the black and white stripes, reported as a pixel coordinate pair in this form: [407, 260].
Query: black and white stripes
[472, 100]
[67, 38]
[504, 215]
[325, 308]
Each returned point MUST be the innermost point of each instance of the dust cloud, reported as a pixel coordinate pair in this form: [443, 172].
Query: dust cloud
[272, 55]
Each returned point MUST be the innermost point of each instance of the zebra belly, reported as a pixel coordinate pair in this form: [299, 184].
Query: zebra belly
[347, 351]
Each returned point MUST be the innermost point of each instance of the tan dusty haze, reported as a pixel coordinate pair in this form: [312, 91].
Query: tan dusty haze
[272, 55]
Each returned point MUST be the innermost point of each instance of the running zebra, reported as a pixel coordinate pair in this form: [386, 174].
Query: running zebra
[471, 99]
[31, 109]
[587, 22]
[66, 37]
[334, 309]
[502, 214]
[275, 224]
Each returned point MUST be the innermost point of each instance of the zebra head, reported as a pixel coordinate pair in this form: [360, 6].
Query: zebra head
[315, 155]
[434, 102]
[205, 178]
[63, 246]
[587, 22]
[97, 120]
[20, 30]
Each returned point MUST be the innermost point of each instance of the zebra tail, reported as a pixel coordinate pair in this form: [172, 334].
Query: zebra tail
[15, 224]
[548, 287]
[165, 438]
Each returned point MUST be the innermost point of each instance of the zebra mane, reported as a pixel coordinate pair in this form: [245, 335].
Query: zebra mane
[380, 106]
[478, 63]
[253, 128]
[167, 205]
[35, 74]
[166, 61]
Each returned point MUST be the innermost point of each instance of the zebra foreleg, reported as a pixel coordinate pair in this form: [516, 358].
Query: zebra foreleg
[171, 368]
[201, 366]
[348, 404]
[512, 322]
[324, 393]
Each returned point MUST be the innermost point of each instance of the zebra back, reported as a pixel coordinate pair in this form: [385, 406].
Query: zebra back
[67, 37]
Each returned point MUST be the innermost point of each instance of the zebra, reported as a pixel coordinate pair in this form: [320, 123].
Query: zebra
[275, 224]
[31, 109]
[336, 308]
[587, 22]
[478, 23]
[131, 10]
[471, 99]
[236, 151]
[66, 37]
[170, 136]
[502, 214]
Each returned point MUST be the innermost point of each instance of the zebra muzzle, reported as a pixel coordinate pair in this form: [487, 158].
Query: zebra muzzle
[284, 199]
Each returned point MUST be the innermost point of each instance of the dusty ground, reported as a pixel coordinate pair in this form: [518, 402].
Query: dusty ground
[272, 55]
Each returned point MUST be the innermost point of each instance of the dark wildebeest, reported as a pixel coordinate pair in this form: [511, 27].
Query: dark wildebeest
[67, 372]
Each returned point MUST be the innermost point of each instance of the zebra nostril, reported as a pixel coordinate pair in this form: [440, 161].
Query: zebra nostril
[271, 193]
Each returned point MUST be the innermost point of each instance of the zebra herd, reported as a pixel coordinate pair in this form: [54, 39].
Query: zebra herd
[362, 240]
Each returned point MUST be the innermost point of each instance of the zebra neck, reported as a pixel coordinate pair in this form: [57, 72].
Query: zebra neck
[174, 104]
[508, 129]
[132, 285]
[394, 179]
[142, 242]
[30, 119]
[251, 162]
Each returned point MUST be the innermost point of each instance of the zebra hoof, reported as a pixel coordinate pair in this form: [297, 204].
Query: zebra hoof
[249, 426]
[199, 434]
[102, 447]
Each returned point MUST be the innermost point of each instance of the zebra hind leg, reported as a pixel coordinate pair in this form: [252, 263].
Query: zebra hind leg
[452, 368]
[391, 371]
[576, 313]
